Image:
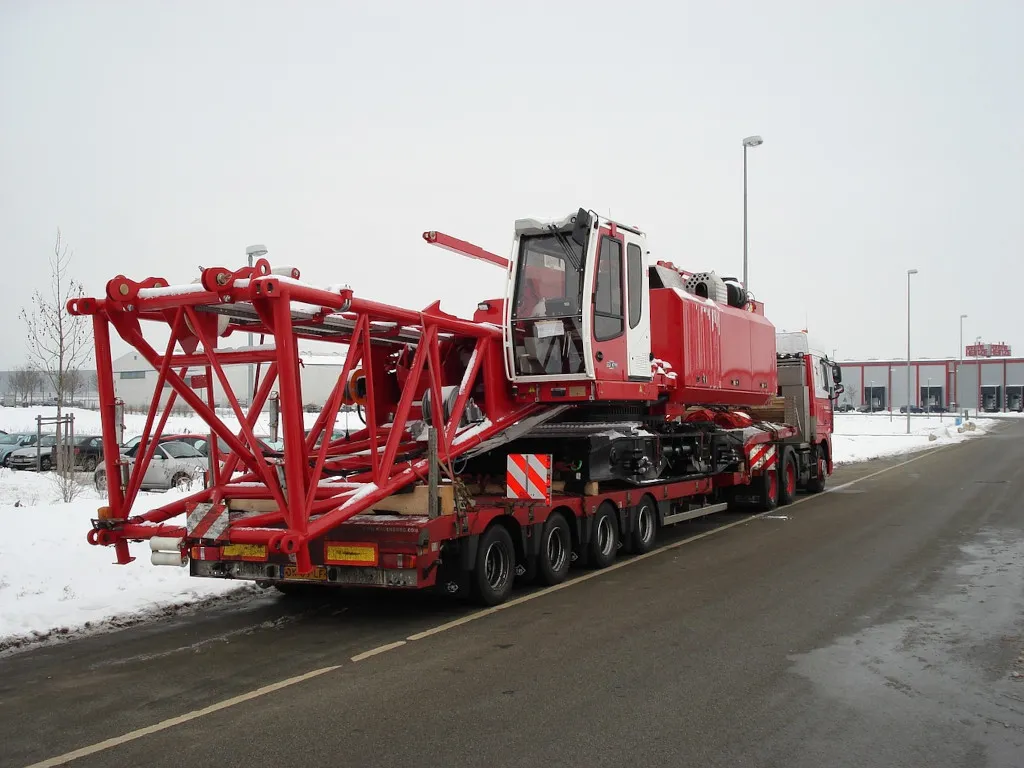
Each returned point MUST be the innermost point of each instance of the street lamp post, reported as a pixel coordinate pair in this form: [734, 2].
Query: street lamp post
[960, 361]
[909, 273]
[253, 251]
[750, 141]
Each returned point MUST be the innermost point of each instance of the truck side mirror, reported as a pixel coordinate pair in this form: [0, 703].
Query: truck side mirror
[837, 374]
[581, 228]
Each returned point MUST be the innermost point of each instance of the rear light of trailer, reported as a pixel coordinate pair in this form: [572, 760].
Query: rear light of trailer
[397, 560]
[205, 553]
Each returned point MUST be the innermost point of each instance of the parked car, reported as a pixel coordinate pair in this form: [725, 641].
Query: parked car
[27, 456]
[202, 444]
[175, 465]
[88, 451]
[12, 442]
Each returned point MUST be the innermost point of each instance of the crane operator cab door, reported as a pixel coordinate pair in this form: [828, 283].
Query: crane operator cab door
[578, 306]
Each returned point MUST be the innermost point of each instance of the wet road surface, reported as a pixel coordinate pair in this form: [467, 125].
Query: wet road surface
[879, 624]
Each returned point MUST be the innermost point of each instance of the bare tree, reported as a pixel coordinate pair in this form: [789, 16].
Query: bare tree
[58, 342]
[74, 383]
[24, 381]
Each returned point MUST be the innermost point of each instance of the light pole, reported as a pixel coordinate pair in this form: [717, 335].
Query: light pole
[960, 361]
[909, 273]
[750, 141]
[253, 251]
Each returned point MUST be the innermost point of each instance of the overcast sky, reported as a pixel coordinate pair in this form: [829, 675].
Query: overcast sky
[162, 136]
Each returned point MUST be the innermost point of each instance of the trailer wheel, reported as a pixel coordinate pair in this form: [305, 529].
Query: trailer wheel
[495, 566]
[604, 538]
[787, 478]
[816, 484]
[769, 490]
[555, 550]
[645, 531]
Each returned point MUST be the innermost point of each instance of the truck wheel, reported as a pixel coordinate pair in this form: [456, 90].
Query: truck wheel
[604, 538]
[769, 490]
[495, 566]
[555, 551]
[787, 478]
[817, 482]
[646, 530]
[90, 464]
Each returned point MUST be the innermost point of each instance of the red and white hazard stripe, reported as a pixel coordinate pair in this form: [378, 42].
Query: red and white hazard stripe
[207, 521]
[528, 476]
[763, 457]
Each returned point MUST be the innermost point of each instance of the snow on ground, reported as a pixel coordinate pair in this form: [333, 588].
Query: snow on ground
[52, 582]
[863, 436]
[54, 585]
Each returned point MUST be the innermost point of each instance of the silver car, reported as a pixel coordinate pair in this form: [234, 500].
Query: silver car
[12, 442]
[28, 456]
[174, 465]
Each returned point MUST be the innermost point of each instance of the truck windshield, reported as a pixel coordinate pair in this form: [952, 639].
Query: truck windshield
[546, 309]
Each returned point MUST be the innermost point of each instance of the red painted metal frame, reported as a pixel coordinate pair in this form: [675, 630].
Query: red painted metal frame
[465, 248]
[302, 485]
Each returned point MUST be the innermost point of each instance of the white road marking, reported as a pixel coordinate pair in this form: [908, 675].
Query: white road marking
[171, 722]
[378, 649]
[241, 698]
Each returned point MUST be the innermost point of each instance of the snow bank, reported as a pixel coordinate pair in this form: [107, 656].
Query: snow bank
[53, 583]
[861, 436]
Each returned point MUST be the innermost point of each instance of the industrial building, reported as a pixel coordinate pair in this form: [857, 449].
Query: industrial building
[134, 379]
[984, 383]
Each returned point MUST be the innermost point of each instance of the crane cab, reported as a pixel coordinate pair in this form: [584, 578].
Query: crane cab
[577, 306]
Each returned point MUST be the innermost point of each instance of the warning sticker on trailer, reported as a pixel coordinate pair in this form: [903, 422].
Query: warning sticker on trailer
[528, 476]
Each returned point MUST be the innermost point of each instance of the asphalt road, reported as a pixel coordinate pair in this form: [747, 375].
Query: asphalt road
[879, 624]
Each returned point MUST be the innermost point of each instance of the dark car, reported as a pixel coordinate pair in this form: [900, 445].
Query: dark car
[88, 451]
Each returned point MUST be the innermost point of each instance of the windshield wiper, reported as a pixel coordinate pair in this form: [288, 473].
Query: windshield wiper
[563, 241]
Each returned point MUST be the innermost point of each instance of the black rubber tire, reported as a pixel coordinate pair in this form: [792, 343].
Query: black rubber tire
[816, 484]
[44, 464]
[90, 464]
[645, 529]
[788, 476]
[181, 476]
[100, 481]
[604, 537]
[495, 571]
[555, 551]
[768, 490]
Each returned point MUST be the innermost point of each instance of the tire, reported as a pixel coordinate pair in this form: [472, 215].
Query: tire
[555, 551]
[181, 481]
[604, 537]
[100, 481]
[495, 569]
[645, 532]
[90, 464]
[769, 490]
[787, 477]
[817, 482]
[44, 464]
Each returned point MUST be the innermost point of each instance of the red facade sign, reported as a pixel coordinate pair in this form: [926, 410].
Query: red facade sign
[987, 350]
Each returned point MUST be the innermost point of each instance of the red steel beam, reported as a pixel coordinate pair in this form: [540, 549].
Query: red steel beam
[455, 245]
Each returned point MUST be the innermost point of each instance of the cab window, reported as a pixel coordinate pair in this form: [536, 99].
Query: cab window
[608, 321]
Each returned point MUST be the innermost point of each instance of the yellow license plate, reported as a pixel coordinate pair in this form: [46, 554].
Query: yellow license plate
[244, 552]
[319, 573]
[338, 553]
